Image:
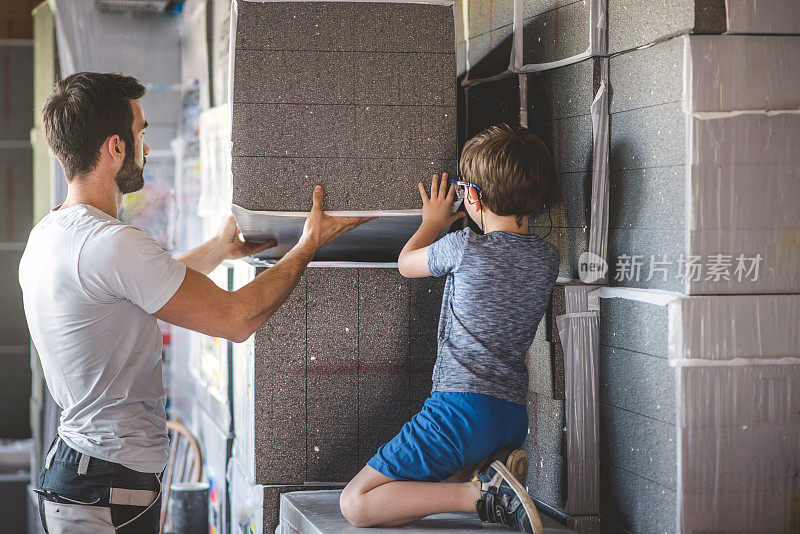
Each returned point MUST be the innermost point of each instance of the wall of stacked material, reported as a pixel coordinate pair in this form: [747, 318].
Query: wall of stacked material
[703, 201]
[700, 179]
[360, 98]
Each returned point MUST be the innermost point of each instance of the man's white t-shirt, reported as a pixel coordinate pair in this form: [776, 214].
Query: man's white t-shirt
[90, 284]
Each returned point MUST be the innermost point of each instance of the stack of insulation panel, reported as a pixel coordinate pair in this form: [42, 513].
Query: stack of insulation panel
[360, 98]
[700, 165]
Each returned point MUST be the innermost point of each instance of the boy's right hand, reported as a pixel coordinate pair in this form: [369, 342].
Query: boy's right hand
[437, 211]
[321, 228]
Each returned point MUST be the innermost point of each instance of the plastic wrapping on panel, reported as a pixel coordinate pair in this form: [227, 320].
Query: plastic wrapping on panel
[595, 266]
[579, 333]
[739, 448]
[736, 364]
[734, 328]
[598, 39]
[758, 16]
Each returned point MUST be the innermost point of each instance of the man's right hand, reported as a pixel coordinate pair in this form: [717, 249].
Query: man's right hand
[321, 228]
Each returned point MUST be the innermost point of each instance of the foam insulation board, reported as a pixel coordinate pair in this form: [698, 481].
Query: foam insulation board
[317, 512]
[344, 96]
[684, 150]
[16, 60]
[633, 23]
[334, 373]
[699, 413]
[556, 34]
[754, 16]
[546, 448]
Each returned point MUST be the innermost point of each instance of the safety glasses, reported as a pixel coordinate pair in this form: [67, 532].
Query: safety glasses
[461, 193]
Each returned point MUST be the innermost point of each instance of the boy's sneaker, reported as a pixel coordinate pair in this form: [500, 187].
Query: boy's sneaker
[504, 500]
[515, 460]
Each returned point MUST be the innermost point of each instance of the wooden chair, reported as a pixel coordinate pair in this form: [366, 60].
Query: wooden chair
[185, 463]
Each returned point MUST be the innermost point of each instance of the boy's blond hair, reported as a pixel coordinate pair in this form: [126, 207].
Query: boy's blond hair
[511, 165]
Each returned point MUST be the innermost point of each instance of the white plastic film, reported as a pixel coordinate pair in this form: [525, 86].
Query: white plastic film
[598, 226]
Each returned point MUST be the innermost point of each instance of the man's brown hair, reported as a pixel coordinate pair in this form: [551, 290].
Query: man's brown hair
[82, 111]
[511, 165]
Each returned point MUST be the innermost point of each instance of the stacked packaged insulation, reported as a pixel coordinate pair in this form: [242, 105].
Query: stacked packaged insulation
[333, 374]
[699, 419]
[698, 414]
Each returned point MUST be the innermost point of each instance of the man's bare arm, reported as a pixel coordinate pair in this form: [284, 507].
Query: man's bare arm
[201, 305]
[225, 245]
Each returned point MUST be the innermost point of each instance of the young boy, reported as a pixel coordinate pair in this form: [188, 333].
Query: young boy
[497, 288]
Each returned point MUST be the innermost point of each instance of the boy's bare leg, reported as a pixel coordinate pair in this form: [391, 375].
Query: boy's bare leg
[372, 499]
[467, 474]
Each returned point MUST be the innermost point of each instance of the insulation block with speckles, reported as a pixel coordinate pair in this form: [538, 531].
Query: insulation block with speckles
[633, 23]
[697, 445]
[670, 164]
[338, 369]
[343, 95]
[546, 446]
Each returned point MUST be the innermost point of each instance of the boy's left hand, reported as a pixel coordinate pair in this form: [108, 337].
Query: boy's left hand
[437, 211]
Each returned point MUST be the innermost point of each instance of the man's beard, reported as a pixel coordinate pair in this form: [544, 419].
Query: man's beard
[130, 178]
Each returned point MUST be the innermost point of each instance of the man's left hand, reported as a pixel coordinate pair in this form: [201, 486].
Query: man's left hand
[234, 246]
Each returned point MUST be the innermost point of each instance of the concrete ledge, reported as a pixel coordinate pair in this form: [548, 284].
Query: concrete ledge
[317, 512]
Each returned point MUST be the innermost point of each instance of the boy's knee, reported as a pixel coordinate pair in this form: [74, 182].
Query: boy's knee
[351, 503]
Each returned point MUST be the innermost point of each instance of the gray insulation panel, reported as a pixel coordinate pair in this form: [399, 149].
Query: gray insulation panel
[348, 96]
[339, 369]
[633, 23]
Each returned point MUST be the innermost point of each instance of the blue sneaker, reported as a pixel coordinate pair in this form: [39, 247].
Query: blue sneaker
[504, 500]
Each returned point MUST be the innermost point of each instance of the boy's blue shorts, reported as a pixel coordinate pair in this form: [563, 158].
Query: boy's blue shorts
[452, 431]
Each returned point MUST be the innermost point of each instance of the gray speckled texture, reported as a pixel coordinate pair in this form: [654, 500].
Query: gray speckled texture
[344, 26]
[634, 23]
[563, 92]
[647, 137]
[634, 325]
[492, 103]
[540, 368]
[338, 369]
[320, 77]
[355, 90]
[337, 131]
[332, 362]
[572, 197]
[660, 245]
[635, 504]
[639, 445]
[557, 34]
[637, 382]
[293, 179]
[647, 77]
[489, 53]
[546, 447]
[650, 198]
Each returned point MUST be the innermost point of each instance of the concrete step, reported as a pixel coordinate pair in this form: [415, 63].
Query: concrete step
[317, 512]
